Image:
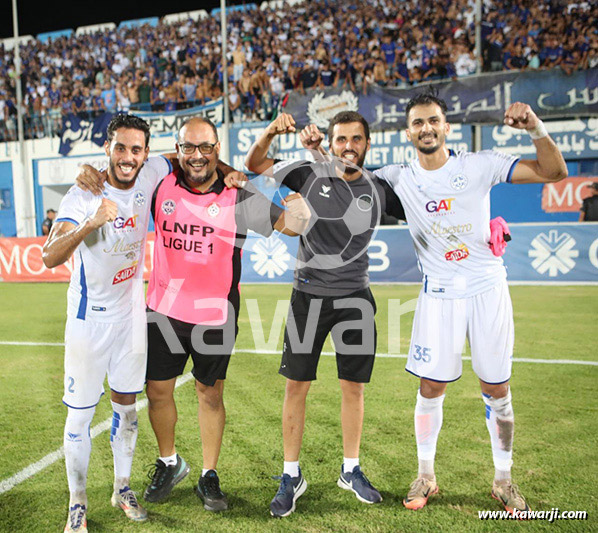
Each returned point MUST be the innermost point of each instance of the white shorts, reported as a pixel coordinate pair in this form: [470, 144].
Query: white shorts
[94, 349]
[440, 327]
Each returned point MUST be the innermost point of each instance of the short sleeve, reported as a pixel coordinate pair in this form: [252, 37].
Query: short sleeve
[392, 204]
[156, 169]
[500, 165]
[255, 212]
[389, 173]
[292, 173]
[77, 205]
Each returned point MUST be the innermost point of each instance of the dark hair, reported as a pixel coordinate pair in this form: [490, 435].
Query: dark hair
[205, 120]
[345, 117]
[123, 120]
[426, 98]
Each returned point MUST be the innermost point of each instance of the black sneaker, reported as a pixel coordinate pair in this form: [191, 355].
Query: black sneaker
[164, 478]
[289, 490]
[208, 489]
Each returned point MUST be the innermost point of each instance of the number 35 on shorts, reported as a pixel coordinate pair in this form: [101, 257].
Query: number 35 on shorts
[422, 353]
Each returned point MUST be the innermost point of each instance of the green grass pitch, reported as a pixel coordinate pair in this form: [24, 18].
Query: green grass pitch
[556, 435]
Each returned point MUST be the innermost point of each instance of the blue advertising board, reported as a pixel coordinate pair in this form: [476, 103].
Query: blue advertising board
[538, 253]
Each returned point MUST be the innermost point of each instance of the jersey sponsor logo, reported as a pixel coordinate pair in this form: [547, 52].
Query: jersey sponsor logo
[213, 210]
[325, 190]
[97, 308]
[124, 223]
[442, 231]
[459, 182]
[437, 206]
[139, 198]
[458, 254]
[168, 207]
[121, 246]
[124, 274]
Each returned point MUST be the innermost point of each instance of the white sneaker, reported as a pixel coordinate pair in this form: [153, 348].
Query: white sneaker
[126, 499]
[77, 520]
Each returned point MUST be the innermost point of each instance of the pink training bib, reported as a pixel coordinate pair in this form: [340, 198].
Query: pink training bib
[193, 253]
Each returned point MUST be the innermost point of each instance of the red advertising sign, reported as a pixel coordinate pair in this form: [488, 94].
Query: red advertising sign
[21, 260]
[566, 195]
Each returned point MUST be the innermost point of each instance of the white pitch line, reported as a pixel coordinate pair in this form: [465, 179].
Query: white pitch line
[57, 455]
[465, 357]
[382, 355]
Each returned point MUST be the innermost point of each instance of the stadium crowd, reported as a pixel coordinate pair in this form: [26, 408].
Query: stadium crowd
[384, 42]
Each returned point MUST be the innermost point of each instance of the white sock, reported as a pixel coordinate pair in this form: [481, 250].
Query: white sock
[77, 449]
[349, 464]
[123, 437]
[428, 422]
[204, 471]
[291, 468]
[170, 460]
[500, 422]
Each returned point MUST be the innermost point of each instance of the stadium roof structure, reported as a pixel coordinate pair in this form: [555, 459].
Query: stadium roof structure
[82, 30]
[186, 15]
[46, 36]
[152, 21]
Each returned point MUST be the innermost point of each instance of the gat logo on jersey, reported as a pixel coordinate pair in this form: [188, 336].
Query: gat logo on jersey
[437, 206]
[122, 223]
[125, 274]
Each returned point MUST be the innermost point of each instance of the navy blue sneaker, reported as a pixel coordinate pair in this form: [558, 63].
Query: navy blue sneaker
[164, 478]
[289, 491]
[360, 485]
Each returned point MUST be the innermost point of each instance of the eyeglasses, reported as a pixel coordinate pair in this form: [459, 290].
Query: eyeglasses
[204, 148]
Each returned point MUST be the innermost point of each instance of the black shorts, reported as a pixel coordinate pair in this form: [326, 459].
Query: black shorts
[166, 362]
[353, 331]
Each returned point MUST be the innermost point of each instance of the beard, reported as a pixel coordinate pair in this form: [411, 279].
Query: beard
[424, 149]
[349, 166]
[196, 178]
[113, 173]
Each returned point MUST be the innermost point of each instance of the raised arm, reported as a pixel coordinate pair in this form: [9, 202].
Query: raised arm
[257, 159]
[549, 165]
[66, 236]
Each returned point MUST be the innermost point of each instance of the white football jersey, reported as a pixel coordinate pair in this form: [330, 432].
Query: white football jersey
[448, 213]
[107, 279]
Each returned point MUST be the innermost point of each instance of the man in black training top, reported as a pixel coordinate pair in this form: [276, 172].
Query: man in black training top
[331, 288]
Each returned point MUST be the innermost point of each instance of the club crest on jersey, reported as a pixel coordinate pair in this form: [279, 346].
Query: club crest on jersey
[213, 210]
[459, 182]
[365, 202]
[168, 207]
[139, 199]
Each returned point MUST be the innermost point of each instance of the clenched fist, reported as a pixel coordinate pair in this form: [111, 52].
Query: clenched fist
[521, 117]
[311, 137]
[283, 123]
[297, 213]
[107, 212]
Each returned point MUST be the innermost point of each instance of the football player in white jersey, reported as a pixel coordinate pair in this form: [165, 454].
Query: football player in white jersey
[446, 197]
[106, 324]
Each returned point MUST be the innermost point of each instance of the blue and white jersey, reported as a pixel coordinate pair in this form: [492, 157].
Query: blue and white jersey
[107, 279]
[448, 213]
